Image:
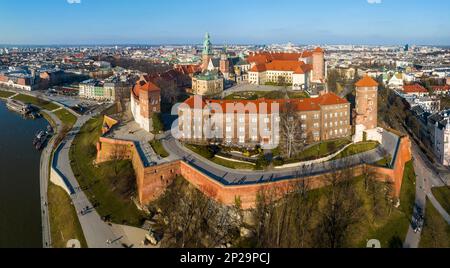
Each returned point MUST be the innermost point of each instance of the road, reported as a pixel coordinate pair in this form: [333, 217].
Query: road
[229, 176]
[426, 179]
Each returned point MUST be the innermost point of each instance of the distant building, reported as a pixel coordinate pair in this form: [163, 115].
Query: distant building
[298, 70]
[439, 127]
[428, 104]
[415, 90]
[441, 90]
[145, 101]
[396, 82]
[111, 89]
[210, 81]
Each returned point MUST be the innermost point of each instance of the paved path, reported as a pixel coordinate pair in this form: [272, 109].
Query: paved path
[95, 230]
[229, 176]
[426, 179]
[44, 178]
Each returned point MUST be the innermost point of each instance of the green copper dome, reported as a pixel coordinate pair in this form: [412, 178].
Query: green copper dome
[207, 46]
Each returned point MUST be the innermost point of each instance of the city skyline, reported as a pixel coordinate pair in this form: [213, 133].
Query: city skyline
[94, 22]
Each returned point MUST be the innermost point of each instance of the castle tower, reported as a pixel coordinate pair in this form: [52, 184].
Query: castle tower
[207, 52]
[318, 61]
[367, 103]
[224, 64]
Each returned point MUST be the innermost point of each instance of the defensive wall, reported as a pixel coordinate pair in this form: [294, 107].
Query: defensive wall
[152, 181]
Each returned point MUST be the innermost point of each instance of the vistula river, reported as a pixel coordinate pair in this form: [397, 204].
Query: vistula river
[20, 209]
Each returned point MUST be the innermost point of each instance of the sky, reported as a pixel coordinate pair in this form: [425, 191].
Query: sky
[373, 22]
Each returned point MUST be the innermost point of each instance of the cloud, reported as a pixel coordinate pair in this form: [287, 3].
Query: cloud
[74, 1]
[374, 1]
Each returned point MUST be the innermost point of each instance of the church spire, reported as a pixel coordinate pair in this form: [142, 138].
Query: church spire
[207, 46]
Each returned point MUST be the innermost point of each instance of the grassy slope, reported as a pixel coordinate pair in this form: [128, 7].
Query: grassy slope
[35, 101]
[320, 150]
[112, 193]
[436, 232]
[203, 151]
[66, 117]
[64, 222]
[442, 194]
[159, 149]
[357, 149]
[392, 230]
[5, 94]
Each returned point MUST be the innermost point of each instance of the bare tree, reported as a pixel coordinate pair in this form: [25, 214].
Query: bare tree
[291, 131]
[340, 211]
[196, 221]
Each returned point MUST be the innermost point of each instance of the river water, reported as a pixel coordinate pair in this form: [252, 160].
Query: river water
[20, 209]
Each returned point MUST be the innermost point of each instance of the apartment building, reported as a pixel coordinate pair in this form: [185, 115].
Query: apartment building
[111, 89]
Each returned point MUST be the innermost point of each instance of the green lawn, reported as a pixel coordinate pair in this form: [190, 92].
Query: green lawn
[357, 148]
[66, 117]
[5, 94]
[158, 125]
[231, 164]
[436, 231]
[319, 150]
[442, 194]
[35, 101]
[63, 218]
[159, 148]
[277, 94]
[205, 152]
[298, 95]
[110, 185]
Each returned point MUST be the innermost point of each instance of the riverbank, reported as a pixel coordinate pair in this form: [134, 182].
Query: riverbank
[55, 206]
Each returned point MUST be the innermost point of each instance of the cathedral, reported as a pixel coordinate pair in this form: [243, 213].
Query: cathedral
[217, 71]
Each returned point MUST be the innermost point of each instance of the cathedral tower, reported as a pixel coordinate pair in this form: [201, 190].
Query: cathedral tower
[207, 52]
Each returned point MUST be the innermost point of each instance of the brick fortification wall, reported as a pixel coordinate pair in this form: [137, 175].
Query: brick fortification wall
[152, 181]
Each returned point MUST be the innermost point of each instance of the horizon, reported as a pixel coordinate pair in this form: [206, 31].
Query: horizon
[176, 22]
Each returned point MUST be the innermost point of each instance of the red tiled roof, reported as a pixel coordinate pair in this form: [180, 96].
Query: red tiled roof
[415, 88]
[266, 57]
[144, 84]
[441, 88]
[305, 104]
[318, 50]
[366, 81]
[258, 68]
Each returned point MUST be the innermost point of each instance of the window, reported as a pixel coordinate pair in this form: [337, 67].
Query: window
[303, 117]
[228, 129]
[242, 129]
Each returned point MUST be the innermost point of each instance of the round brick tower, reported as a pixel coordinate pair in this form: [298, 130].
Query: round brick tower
[318, 61]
